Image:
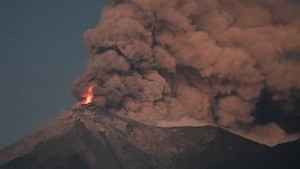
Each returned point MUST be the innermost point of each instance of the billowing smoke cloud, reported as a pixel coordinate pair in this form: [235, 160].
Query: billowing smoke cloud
[224, 62]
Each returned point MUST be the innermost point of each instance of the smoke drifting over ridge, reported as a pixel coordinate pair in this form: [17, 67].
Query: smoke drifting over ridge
[232, 63]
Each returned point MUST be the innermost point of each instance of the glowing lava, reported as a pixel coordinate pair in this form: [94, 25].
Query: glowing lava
[88, 95]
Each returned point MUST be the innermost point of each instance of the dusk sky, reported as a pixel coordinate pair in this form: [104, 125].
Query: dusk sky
[41, 53]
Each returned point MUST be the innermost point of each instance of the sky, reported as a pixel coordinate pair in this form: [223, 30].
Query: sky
[41, 54]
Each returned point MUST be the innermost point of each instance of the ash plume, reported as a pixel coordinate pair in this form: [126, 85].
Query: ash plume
[230, 63]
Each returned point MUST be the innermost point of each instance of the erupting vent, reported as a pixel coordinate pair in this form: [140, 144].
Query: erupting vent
[88, 95]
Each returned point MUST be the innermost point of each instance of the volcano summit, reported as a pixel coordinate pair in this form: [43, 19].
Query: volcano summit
[85, 139]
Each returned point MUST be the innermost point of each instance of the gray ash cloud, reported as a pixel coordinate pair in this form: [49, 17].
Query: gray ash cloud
[208, 60]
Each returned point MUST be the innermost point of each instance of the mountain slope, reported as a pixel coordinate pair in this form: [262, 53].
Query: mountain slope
[108, 142]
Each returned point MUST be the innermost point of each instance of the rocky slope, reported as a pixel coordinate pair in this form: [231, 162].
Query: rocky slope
[89, 141]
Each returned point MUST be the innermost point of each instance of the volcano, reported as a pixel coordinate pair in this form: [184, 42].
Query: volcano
[180, 84]
[89, 140]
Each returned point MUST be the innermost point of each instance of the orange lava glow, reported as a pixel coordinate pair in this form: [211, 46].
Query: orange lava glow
[88, 95]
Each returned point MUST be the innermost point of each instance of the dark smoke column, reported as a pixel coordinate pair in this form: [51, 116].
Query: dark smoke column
[230, 63]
